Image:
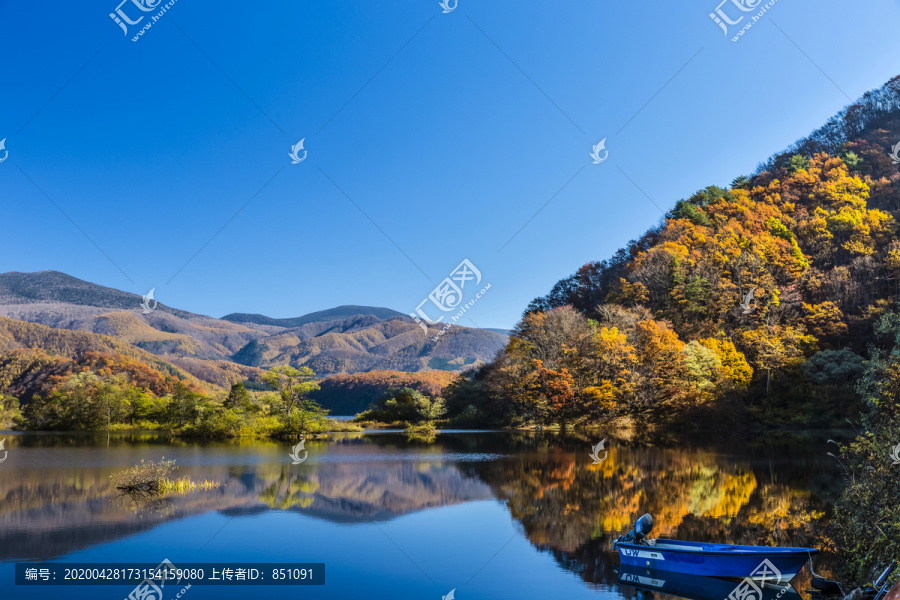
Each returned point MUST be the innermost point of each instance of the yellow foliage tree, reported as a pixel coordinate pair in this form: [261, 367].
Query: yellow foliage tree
[735, 367]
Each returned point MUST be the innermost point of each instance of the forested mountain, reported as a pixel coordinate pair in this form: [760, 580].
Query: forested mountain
[758, 298]
[48, 287]
[345, 339]
[61, 301]
[34, 359]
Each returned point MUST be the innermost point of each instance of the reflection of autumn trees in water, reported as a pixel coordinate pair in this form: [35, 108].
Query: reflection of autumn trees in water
[574, 509]
[290, 490]
[566, 506]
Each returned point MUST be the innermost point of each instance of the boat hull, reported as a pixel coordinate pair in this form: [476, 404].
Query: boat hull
[717, 560]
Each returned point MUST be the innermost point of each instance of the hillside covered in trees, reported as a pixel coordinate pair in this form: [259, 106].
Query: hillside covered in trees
[349, 394]
[33, 357]
[758, 301]
[772, 302]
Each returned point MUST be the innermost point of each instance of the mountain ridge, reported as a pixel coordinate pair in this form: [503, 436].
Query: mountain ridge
[47, 286]
[342, 311]
[344, 339]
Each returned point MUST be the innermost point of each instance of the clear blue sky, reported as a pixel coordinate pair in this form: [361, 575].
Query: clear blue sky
[449, 131]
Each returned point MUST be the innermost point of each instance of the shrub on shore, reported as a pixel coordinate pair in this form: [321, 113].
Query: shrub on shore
[404, 406]
[867, 516]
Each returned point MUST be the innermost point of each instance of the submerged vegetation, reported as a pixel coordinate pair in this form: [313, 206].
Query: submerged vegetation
[147, 486]
[144, 479]
[185, 485]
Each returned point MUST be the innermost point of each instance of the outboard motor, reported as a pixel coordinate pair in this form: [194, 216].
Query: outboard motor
[641, 528]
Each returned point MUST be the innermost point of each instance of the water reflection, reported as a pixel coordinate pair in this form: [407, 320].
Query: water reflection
[56, 496]
[647, 582]
[759, 493]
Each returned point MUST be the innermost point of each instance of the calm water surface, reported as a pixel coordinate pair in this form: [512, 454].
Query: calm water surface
[492, 514]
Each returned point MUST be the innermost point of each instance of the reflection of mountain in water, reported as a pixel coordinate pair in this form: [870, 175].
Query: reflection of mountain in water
[62, 512]
[372, 492]
[566, 506]
[50, 512]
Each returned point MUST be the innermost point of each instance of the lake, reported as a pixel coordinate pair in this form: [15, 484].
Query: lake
[490, 515]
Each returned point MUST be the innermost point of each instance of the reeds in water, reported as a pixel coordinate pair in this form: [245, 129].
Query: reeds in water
[185, 485]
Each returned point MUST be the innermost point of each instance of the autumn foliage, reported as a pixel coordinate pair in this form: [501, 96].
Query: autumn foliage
[741, 299]
[349, 394]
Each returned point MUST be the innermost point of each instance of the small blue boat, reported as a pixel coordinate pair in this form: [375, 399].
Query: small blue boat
[764, 564]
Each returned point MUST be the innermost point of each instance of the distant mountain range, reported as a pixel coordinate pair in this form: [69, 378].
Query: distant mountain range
[340, 312]
[345, 339]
